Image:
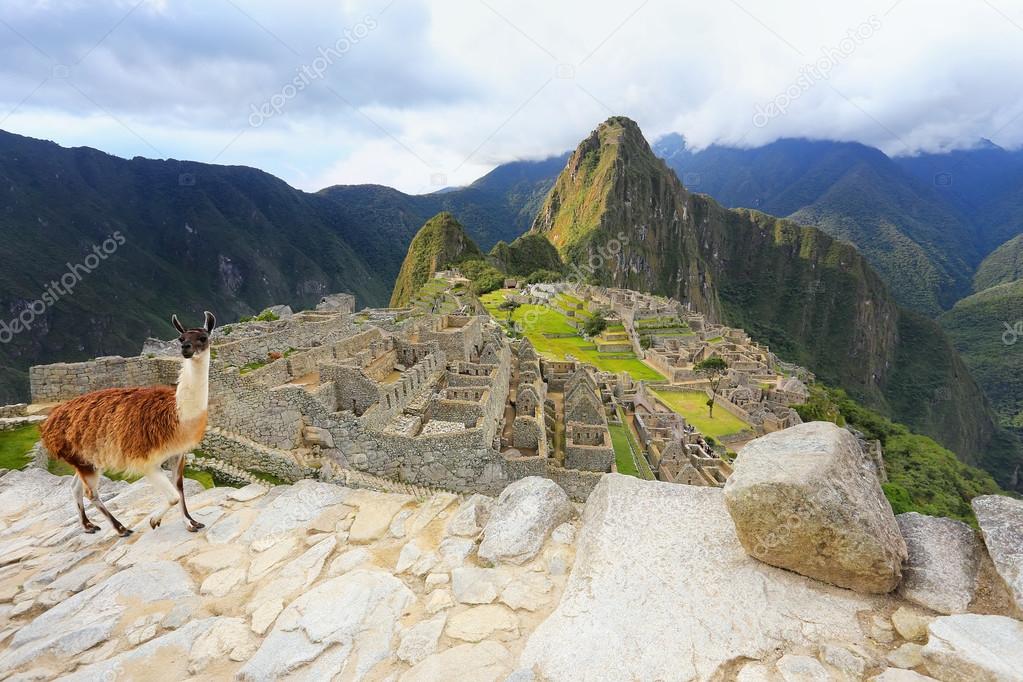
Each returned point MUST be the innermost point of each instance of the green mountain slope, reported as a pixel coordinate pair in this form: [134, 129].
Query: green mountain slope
[983, 328]
[815, 300]
[1003, 265]
[440, 243]
[526, 255]
[922, 247]
[195, 236]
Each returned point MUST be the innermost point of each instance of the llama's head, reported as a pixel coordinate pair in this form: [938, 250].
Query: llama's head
[196, 341]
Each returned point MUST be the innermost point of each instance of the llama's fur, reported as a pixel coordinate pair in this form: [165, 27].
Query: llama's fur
[135, 430]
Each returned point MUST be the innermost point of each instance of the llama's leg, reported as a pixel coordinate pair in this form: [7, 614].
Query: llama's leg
[78, 493]
[91, 482]
[190, 523]
[158, 479]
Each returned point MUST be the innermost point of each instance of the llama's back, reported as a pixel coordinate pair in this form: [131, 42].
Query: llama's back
[116, 428]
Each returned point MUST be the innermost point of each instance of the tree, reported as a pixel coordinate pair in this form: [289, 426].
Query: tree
[714, 369]
[594, 325]
[510, 307]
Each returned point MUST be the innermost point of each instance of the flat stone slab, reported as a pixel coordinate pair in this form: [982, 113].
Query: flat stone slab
[688, 592]
[1001, 523]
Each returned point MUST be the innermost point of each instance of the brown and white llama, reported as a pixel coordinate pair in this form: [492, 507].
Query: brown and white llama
[136, 430]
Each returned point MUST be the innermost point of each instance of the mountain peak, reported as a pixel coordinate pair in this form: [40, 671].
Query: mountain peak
[440, 242]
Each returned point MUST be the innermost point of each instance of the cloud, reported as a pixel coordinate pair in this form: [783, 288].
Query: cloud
[410, 93]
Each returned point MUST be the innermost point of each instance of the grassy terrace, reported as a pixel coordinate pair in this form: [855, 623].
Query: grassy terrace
[625, 462]
[536, 321]
[15, 446]
[693, 406]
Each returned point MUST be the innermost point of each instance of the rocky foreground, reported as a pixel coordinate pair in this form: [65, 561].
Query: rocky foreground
[647, 581]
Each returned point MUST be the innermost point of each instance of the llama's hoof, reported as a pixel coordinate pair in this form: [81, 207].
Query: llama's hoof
[195, 526]
[91, 528]
[154, 523]
[124, 532]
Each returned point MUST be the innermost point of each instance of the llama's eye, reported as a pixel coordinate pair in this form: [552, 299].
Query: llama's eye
[203, 339]
[181, 339]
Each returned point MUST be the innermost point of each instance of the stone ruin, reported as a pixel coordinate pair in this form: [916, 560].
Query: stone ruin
[441, 401]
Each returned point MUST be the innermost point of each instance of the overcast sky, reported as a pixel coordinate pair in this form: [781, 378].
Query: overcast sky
[419, 95]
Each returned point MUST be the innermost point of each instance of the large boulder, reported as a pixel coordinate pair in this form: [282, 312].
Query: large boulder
[522, 518]
[944, 559]
[1001, 523]
[661, 589]
[807, 500]
[974, 648]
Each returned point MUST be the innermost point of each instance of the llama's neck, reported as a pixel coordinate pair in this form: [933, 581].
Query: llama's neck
[194, 387]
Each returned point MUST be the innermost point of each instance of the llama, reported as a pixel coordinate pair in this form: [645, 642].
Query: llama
[136, 430]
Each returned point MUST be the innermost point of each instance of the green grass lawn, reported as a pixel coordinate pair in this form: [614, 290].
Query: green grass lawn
[536, 320]
[15, 446]
[624, 460]
[693, 406]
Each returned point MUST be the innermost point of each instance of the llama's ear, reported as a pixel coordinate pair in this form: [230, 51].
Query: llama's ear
[211, 321]
[177, 325]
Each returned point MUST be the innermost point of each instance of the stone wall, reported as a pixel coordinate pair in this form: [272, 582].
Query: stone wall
[63, 381]
[577, 483]
[252, 457]
[17, 410]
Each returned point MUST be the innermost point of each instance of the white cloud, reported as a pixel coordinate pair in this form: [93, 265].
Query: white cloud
[448, 89]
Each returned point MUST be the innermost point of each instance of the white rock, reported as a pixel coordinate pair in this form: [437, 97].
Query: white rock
[490, 621]
[420, 640]
[435, 580]
[271, 557]
[318, 632]
[221, 583]
[523, 516]
[294, 507]
[483, 662]
[530, 591]
[802, 669]
[397, 527]
[454, 551]
[247, 493]
[89, 617]
[265, 614]
[171, 650]
[909, 655]
[941, 571]
[974, 647]
[698, 603]
[471, 516]
[409, 554]
[228, 638]
[439, 600]
[374, 517]
[349, 560]
[811, 486]
[564, 534]
[473, 585]
[853, 663]
[1001, 523]
[217, 559]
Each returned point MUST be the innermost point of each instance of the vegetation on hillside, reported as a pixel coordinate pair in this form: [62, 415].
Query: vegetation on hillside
[922, 476]
[987, 329]
[440, 243]
[1003, 265]
[15, 446]
[526, 255]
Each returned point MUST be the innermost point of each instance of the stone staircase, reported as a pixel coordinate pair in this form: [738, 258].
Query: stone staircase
[352, 478]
